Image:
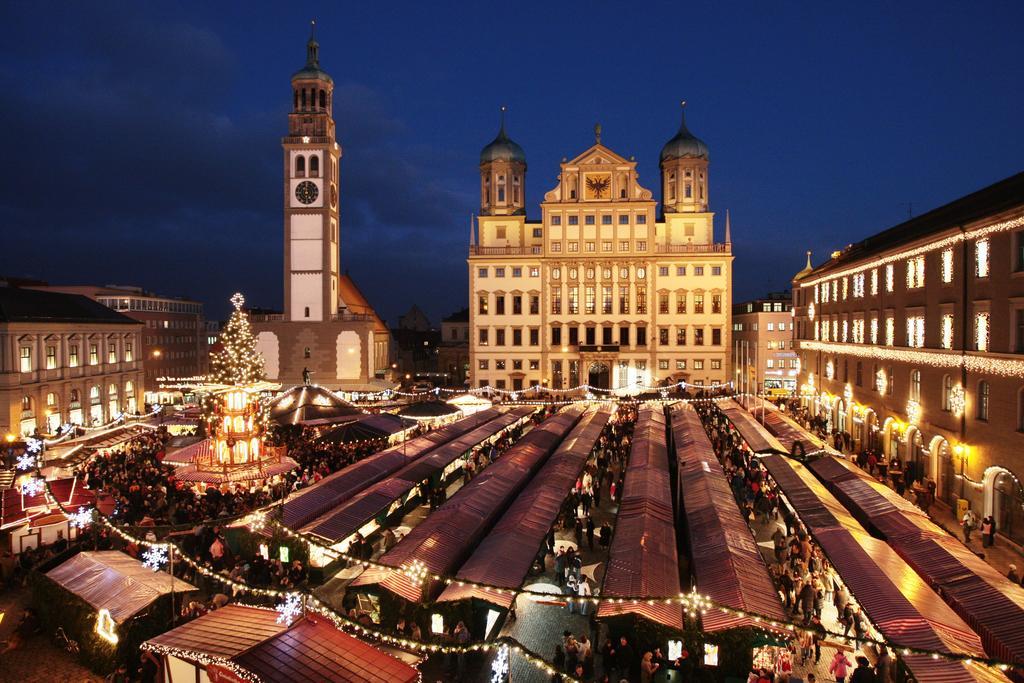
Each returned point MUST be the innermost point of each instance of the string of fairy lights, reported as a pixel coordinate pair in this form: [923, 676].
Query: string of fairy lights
[693, 603]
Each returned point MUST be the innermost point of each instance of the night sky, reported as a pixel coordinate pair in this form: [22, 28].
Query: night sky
[141, 142]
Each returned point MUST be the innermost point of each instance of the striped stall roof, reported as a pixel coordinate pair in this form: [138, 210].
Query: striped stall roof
[505, 556]
[759, 439]
[352, 514]
[447, 536]
[783, 427]
[643, 558]
[309, 503]
[17, 509]
[905, 610]
[309, 650]
[727, 563]
[988, 601]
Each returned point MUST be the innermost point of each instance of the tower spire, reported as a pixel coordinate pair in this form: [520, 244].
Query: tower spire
[728, 228]
[597, 133]
[472, 236]
[809, 266]
[501, 131]
[312, 47]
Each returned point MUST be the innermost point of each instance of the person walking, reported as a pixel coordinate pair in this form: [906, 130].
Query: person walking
[1012, 575]
[583, 591]
[590, 532]
[968, 522]
[988, 531]
[863, 673]
[840, 666]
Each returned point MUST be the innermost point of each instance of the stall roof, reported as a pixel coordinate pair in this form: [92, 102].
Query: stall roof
[17, 509]
[505, 556]
[988, 601]
[311, 649]
[783, 427]
[727, 563]
[305, 403]
[447, 536]
[907, 612]
[354, 513]
[309, 503]
[643, 558]
[757, 437]
[111, 580]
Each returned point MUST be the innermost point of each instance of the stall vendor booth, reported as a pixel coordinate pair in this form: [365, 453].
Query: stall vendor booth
[109, 603]
[241, 643]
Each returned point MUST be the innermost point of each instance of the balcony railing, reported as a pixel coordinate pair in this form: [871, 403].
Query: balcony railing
[336, 317]
[693, 248]
[475, 250]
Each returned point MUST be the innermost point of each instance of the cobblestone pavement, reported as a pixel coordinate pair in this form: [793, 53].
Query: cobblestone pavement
[38, 660]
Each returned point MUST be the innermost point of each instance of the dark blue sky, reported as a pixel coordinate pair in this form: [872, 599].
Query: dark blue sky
[142, 140]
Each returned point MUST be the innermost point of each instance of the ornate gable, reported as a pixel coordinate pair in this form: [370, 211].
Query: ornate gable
[598, 175]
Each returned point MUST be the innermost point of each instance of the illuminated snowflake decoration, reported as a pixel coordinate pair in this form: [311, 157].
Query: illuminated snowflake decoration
[34, 445]
[290, 609]
[155, 557]
[415, 571]
[848, 393]
[81, 519]
[65, 428]
[957, 400]
[32, 487]
[26, 461]
[514, 396]
[237, 300]
[664, 393]
[500, 666]
[913, 412]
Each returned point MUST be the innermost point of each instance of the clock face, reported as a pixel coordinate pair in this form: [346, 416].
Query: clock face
[599, 185]
[307, 192]
[334, 196]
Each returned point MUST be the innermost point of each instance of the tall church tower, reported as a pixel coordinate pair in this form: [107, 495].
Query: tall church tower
[311, 230]
[684, 172]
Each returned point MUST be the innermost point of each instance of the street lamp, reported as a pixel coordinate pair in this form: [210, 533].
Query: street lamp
[157, 353]
[962, 451]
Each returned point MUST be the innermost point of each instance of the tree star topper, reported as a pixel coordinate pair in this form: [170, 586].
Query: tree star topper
[237, 300]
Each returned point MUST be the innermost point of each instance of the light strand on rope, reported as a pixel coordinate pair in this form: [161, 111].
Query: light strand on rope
[536, 388]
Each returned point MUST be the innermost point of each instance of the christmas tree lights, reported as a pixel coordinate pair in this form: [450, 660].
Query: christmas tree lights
[235, 359]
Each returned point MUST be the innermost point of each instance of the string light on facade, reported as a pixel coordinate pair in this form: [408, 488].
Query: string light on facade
[913, 411]
[881, 381]
[848, 393]
[830, 370]
[957, 400]
[415, 571]
[973, 363]
[155, 557]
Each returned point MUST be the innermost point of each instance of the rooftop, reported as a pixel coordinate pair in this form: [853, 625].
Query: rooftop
[34, 306]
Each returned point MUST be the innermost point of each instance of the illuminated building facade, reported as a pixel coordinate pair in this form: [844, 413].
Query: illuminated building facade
[762, 344]
[912, 340]
[327, 325]
[602, 290]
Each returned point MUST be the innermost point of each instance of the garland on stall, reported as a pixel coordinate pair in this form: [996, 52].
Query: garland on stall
[693, 603]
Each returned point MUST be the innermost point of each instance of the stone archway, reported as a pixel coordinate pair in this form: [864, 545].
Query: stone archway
[890, 438]
[941, 469]
[599, 376]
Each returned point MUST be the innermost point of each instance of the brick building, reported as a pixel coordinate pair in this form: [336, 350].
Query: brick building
[763, 355]
[912, 340]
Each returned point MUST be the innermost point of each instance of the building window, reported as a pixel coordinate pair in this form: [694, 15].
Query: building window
[538, 232]
[51, 357]
[641, 300]
[641, 336]
[716, 336]
[716, 304]
[680, 336]
[26, 359]
[662, 336]
[915, 385]
[482, 304]
[499, 336]
[112, 354]
[890, 331]
[641, 219]
[588, 220]
[680, 302]
[623, 335]
[129, 354]
[889, 277]
[698, 303]
[73, 356]
[556, 247]
[556, 301]
[698, 336]
[981, 331]
[874, 282]
[641, 245]
[981, 257]
[483, 364]
[499, 304]
[698, 364]
[574, 220]
[606, 219]
[483, 337]
[681, 270]
[517, 336]
[94, 354]
[481, 272]
[574, 247]
[859, 377]
[716, 270]
[984, 392]
[517, 272]
[663, 303]
[574, 300]
[517, 305]
[556, 335]
[624, 245]
[947, 265]
[915, 272]
[947, 392]
[915, 331]
[534, 304]
[499, 272]
[590, 302]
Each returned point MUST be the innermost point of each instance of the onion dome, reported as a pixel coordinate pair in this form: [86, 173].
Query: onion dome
[502, 148]
[312, 70]
[808, 269]
[685, 145]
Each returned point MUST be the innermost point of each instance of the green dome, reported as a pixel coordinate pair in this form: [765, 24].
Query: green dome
[502, 148]
[685, 145]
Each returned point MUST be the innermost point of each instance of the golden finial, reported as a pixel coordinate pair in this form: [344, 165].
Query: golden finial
[597, 133]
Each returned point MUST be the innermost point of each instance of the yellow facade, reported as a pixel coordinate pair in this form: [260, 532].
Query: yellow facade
[602, 290]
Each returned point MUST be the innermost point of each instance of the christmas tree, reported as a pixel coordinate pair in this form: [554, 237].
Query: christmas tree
[234, 359]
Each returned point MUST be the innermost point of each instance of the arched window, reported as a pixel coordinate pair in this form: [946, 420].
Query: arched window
[915, 385]
[51, 400]
[26, 404]
[860, 374]
[323, 99]
[307, 311]
[314, 166]
[74, 397]
[303, 98]
[501, 188]
[984, 392]
[94, 394]
[300, 166]
[295, 93]
[947, 392]
[515, 189]
[306, 353]
[671, 186]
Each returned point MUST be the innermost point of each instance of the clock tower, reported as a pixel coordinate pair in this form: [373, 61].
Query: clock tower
[311, 226]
